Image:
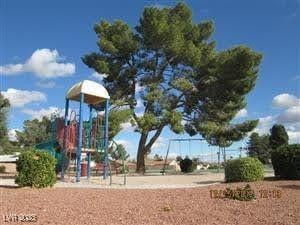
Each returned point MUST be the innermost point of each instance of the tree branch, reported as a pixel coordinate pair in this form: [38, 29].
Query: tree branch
[154, 138]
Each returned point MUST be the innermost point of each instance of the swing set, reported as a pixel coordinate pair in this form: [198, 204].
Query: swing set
[189, 140]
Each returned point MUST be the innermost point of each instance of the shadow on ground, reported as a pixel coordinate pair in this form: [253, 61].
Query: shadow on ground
[9, 186]
[209, 182]
[271, 178]
[290, 186]
[3, 177]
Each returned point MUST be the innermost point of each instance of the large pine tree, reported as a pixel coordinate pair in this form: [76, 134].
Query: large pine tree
[171, 65]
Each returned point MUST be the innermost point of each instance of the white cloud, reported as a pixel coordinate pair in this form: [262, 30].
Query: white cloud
[290, 115]
[99, 76]
[50, 84]
[39, 114]
[291, 104]
[293, 130]
[19, 98]
[265, 124]
[242, 113]
[11, 69]
[44, 63]
[12, 134]
[294, 136]
[285, 101]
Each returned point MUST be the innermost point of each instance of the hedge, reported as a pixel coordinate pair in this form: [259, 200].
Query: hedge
[286, 161]
[244, 169]
[36, 169]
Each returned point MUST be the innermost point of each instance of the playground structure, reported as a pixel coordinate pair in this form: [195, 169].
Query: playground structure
[73, 136]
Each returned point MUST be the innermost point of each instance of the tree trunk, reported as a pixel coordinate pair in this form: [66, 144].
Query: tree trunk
[144, 148]
[140, 164]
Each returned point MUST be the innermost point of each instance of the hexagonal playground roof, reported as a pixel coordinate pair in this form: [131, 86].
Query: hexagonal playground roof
[93, 92]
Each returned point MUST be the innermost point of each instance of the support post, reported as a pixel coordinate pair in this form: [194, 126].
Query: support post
[90, 126]
[89, 165]
[165, 163]
[90, 143]
[105, 165]
[79, 138]
[63, 152]
[219, 160]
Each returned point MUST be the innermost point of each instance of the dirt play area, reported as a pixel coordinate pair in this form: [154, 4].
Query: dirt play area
[182, 205]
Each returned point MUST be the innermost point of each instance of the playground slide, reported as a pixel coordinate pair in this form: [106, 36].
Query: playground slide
[49, 147]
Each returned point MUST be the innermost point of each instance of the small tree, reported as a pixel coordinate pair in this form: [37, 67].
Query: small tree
[5, 146]
[4, 106]
[34, 132]
[120, 153]
[279, 136]
[258, 147]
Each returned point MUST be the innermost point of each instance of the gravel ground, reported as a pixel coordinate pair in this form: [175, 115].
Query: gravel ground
[154, 206]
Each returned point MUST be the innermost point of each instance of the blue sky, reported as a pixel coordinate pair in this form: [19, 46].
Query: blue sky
[41, 43]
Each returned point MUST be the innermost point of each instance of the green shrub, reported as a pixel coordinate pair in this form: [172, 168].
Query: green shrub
[36, 169]
[286, 161]
[244, 169]
[2, 169]
[241, 194]
[187, 165]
